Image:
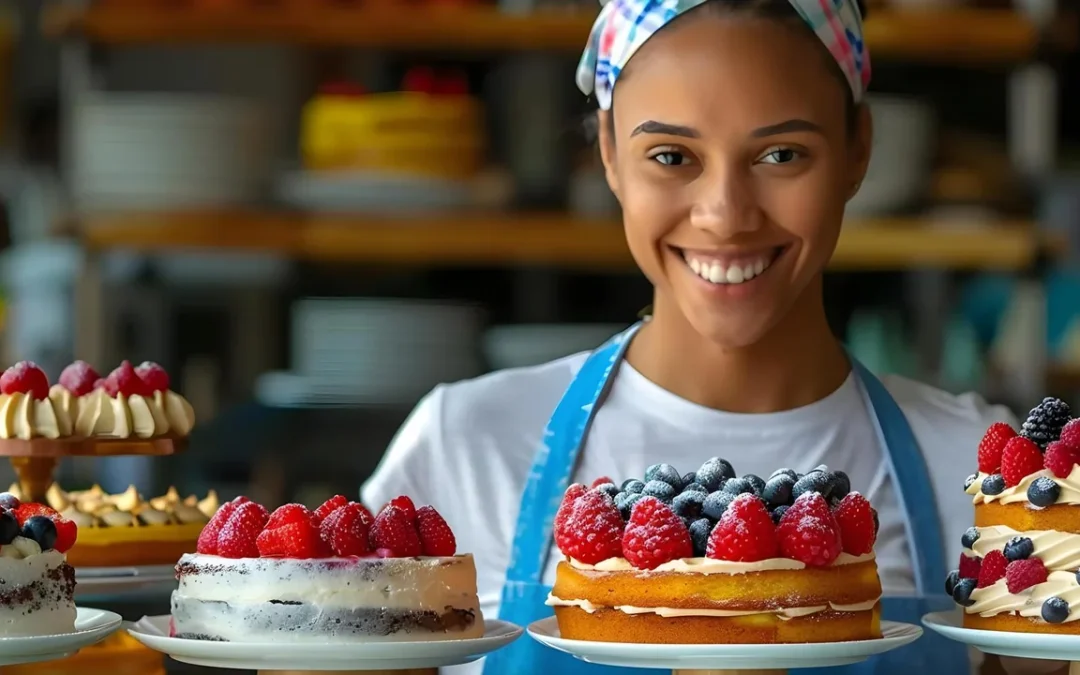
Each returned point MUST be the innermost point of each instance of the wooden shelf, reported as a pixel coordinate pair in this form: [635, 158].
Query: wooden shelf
[968, 35]
[529, 239]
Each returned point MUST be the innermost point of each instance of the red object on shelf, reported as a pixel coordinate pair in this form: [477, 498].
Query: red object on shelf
[453, 84]
[342, 89]
[420, 79]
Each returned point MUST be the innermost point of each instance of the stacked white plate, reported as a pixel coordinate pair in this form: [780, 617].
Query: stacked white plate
[166, 151]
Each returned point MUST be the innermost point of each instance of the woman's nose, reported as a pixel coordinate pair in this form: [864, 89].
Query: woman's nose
[725, 204]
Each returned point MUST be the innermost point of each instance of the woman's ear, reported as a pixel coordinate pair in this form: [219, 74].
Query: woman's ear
[605, 128]
[862, 142]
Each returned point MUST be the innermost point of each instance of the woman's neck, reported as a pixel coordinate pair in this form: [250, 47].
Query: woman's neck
[796, 363]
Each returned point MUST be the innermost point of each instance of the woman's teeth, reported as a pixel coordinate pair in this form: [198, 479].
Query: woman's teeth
[733, 273]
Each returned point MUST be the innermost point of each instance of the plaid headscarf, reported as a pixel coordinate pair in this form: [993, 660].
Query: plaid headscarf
[624, 25]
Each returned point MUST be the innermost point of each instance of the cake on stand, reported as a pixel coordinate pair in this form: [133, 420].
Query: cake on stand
[1042, 646]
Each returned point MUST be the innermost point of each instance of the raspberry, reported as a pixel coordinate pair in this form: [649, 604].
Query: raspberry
[1023, 574]
[207, 544]
[346, 529]
[991, 446]
[745, 532]
[1060, 458]
[331, 505]
[970, 566]
[593, 529]
[602, 480]
[655, 535]
[569, 497]
[394, 531]
[67, 532]
[124, 380]
[153, 376]
[436, 537]
[79, 378]
[855, 517]
[406, 505]
[993, 569]
[291, 532]
[808, 532]
[1070, 434]
[238, 535]
[1020, 459]
[25, 377]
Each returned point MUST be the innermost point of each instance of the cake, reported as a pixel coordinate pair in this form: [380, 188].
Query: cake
[37, 586]
[1018, 570]
[333, 575]
[711, 558]
[129, 403]
[126, 529]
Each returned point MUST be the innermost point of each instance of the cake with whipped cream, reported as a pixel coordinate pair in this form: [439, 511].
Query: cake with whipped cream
[37, 585]
[711, 557]
[1019, 567]
[335, 574]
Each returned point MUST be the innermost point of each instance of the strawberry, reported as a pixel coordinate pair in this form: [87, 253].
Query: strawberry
[1070, 433]
[745, 532]
[124, 380]
[572, 494]
[330, 505]
[992, 445]
[207, 544]
[602, 480]
[654, 535]
[1020, 459]
[855, 517]
[808, 532]
[291, 532]
[970, 566]
[25, 377]
[67, 532]
[406, 505]
[436, 537]
[27, 510]
[238, 534]
[346, 529]
[394, 530]
[1060, 458]
[79, 378]
[1021, 575]
[592, 530]
[993, 569]
[153, 376]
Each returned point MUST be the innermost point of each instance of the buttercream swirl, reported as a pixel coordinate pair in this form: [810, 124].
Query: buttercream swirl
[25, 417]
[1070, 489]
[712, 566]
[668, 612]
[996, 598]
[1058, 550]
[136, 415]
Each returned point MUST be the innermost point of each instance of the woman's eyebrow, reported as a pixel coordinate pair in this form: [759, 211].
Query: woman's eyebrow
[787, 127]
[654, 127]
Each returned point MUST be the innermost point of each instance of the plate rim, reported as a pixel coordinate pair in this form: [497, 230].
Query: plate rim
[936, 622]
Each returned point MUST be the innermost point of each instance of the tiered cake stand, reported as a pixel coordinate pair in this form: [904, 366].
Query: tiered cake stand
[1065, 648]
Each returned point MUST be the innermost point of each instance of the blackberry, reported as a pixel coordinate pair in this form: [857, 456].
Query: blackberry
[665, 473]
[688, 479]
[1043, 492]
[778, 513]
[9, 528]
[1019, 548]
[841, 484]
[714, 473]
[777, 491]
[626, 502]
[633, 485]
[1045, 421]
[962, 592]
[815, 481]
[700, 530]
[695, 487]
[610, 489]
[785, 472]
[738, 486]
[970, 480]
[993, 485]
[971, 535]
[756, 482]
[1055, 610]
[659, 489]
[688, 504]
[716, 503]
[950, 581]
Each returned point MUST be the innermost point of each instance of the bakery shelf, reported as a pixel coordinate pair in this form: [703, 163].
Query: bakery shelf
[534, 239]
[968, 35]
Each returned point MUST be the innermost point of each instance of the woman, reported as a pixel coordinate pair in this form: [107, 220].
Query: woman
[735, 137]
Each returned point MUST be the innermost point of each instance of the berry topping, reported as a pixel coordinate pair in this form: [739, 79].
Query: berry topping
[695, 487]
[992, 445]
[207, 544]
[1023, 574]
[406, 505]
[79, 378]
[1019, 548]
[654, 535]
[67, 533]
[816, 481]
[714, 473]
[970, 566]
[610, 489]
[716, 504]
[739, 486]
[153, 376]
[950, 582]
[1060, 458]
[688, 504]
[700, 530]
[292, 532]
[329, 506]
[1055, 610]
[25, 377]
[809, 533]
[1045, 421]
[9, 528]
[8, 501]
[124, 380]
[602, 480]
[1070, 433]
[28, 510]
[993, 485]
[659, 489]
[855, 517]
[394, 531]
[592, 531]
[841, 485]
[971, 535]
[625, 502]
[785, 472]
[745, 533]
[970, 480]
[436, 537]
[42, 530]
[664, 473]
[633, 486]
[571, 495]
[778, 514]
[1043, 492]
[345, 530]
[962, 592]
[688, 479]
[993, 569]
[1020, 459]
[238, 535]
[756, 483]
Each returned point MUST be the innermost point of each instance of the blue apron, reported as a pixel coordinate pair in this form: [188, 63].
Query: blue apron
[524, 594]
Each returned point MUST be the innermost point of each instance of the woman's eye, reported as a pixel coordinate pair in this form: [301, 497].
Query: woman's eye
[780, 156]
[670, 158]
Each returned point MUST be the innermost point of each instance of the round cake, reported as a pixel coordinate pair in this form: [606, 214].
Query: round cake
[1019, 568]
[711, 557]
[335, 574]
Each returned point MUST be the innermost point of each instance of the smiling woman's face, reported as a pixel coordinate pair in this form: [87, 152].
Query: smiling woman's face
[730, 151]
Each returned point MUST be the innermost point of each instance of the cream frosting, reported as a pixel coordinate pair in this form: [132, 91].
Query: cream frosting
[996, 599]
[63, 399]
[668, 612]
[1070, 489]
[1058, 550]
[25, 417]
[23, 565]
[125, 416]
[712, 566]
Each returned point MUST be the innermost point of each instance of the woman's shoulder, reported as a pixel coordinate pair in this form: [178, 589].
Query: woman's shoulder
[923, 403]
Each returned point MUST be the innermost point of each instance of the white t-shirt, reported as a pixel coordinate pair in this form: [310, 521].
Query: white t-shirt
[468, 447]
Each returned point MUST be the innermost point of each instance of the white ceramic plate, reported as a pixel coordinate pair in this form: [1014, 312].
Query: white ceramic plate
[726, 657]
[91, 626]
[111, 581]
[153, 632]
[1021, 645]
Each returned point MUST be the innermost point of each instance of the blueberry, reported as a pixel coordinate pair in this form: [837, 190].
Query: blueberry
[815, 481]
[689, 478]
[970, 480]
[9, 501]
[610, 489]
[42, 530]
[650, 472]
[950, 581]
[778, 513]
[626, 503]
[633, 486]
[962, 592]
[695, 487]
[738, 486]
[659, 489]
[1055, 610]
[716, 503]
[993, 485]
[785, 472]
[688, 504]
[700, 530]
[1043, 492]
[1018, 548]
[841, 484]
[820, 468]
[756, 482]
[714, 472]
[9, 528]
[777, 491]
[971, 535]
[666, 474]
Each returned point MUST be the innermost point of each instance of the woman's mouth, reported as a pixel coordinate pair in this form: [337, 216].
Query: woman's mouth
[730, 269]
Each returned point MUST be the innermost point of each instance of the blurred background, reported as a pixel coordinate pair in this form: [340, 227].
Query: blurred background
[313, 211]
